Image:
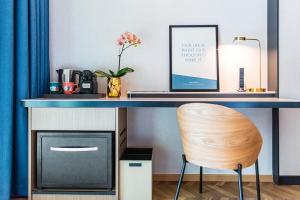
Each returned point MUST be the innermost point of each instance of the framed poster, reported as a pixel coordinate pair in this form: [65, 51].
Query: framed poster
[194, 62]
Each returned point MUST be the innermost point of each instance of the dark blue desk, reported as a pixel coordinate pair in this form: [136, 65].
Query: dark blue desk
[273, 103]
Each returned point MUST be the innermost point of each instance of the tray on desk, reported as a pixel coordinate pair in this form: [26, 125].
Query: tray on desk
[166, 94]
[74, 96]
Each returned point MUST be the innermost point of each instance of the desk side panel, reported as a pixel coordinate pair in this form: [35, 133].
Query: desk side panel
[31, 154]
[121, 142]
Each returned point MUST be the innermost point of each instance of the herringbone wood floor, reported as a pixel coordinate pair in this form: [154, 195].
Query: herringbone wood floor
[223, 191]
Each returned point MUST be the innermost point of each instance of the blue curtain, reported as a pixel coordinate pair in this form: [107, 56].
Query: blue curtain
[24, 73]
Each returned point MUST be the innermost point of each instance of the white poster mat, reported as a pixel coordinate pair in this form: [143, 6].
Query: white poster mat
[194, 52]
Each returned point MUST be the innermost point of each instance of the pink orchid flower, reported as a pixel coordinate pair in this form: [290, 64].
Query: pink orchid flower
[129, 38]
[121, 41]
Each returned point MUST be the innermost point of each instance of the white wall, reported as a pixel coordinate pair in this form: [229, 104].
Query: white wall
[289, 81]
[158, 128]
[83, 35]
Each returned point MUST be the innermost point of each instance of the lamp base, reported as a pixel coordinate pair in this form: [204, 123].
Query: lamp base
[241, 90]
[256, 90]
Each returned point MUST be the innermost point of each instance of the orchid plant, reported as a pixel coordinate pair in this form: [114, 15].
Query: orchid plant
[125, 41]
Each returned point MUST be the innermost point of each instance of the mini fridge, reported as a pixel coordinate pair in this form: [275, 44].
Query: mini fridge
[75, 160]
[136, 174]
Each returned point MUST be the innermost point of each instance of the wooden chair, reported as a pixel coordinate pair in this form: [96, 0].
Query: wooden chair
[218, 137]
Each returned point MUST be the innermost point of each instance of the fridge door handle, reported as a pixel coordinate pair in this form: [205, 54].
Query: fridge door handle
[74, 149]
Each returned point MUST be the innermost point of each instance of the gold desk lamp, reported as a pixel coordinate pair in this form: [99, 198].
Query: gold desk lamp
[241, 39]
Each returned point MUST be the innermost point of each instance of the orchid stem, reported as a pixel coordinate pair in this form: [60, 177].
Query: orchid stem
[120, 54]
[128, 46]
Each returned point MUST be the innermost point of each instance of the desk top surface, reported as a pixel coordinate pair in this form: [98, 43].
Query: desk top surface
[162, 102]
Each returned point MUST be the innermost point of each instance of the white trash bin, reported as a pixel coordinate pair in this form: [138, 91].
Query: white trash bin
[136, 174]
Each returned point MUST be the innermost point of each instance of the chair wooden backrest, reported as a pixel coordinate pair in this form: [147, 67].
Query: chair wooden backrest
[217, 137]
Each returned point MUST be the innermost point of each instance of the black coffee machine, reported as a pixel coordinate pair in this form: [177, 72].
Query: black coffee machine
[87, 81]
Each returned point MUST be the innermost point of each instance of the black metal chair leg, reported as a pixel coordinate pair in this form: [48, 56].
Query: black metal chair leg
[257, 180]
[201, 180]
[239, 171]
[181, 177]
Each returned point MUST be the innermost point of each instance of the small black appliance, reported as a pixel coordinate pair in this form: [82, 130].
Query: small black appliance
[87, 81]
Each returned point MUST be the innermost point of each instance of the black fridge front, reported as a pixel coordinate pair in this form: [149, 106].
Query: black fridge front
[75, 160]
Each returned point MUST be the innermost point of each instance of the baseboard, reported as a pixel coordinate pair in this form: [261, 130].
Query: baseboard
[289, 180]
[211, 177]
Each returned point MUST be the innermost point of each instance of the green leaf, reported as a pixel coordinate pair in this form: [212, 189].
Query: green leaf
[112, 73]
[121, 74]
[124, 71]
[100, 73]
